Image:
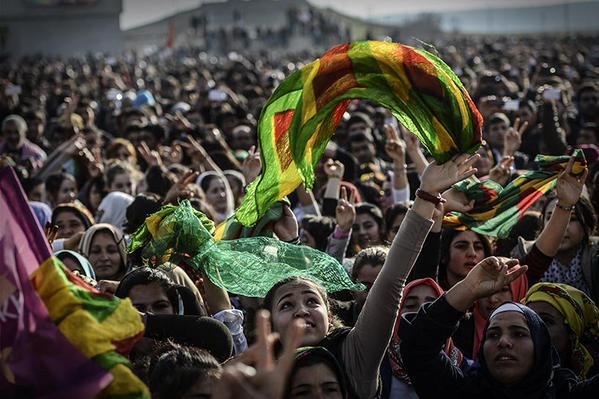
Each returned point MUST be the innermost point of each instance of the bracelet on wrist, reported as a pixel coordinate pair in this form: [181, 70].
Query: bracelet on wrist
[429, 197]
[400, 168]
[563, 207]
[295, 241]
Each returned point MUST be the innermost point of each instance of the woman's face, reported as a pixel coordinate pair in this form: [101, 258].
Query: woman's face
[556, 324]
[487, 305]
[465, 251]
[123, 183]
[316, 381]
[38, 193]
[68, 224]
[366, 230]
[67, 191]
[418, 296]
[151, 298]
[104, 256]
[574, 232]
[300, 300]
[395, 227]
[509, 348]
[216, 195]
[124, 155]
[95, 197]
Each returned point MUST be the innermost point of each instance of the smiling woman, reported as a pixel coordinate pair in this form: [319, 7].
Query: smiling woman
[106, 250]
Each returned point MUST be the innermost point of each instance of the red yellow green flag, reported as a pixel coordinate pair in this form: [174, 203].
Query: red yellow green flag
[296, 124]
[497, 209]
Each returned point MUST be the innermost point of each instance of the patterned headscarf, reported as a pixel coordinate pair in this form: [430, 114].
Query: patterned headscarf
[580, 315]
[397, 367]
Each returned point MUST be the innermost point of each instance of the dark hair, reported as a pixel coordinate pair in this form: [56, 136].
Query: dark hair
[270, 296]
[374, 256]
[591, 126]
[174, 371]
[54, 181]
[527, 227]
[30, 183]
[205, 182]
[159, 180]
[319, 227]
[143, 205]
[116, 168]
[311, 356]
[392, 213]
[585, 213]
[145, 276]
[447, 238]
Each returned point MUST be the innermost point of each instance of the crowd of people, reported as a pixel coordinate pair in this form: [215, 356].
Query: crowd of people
[100, 144]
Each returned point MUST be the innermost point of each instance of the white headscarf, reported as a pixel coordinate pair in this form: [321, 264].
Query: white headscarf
[114, 207]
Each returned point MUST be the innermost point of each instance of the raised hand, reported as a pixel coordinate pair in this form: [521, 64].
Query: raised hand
[152, 157]
[492, 274]
[286, 228]
[395, 146]
[334, 169]
[194, 149]
[501, 172]
[267, 378]
[438, 178]
[456, 201]
[251, 165]
[487, 277]
[512, 140]
[178, 188]
[345, 213]
[410, 139]
[569, 187]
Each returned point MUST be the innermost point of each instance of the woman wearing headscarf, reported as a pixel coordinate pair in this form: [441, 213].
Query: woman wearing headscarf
[516, 359]
[71, 218]
[105, 247]
[573, 323]
[76, 262]
[316, 373]
[414, 295]
[113, 209]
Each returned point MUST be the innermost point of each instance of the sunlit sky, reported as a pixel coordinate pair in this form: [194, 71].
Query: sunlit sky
[139, 12]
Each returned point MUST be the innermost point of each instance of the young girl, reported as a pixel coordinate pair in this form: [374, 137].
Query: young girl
[360, 349]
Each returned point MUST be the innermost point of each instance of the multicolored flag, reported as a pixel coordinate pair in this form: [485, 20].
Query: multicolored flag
[36, 359]
[497, 209]
[76, 341]
[420, 90]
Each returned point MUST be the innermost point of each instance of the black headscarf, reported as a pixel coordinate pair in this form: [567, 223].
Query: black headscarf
[538, 383]
[308, 356]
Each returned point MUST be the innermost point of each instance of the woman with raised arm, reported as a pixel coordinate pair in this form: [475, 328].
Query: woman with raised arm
[361, 349]
[516, 359]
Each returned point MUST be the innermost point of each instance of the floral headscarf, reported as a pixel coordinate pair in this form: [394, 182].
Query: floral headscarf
[581, 315]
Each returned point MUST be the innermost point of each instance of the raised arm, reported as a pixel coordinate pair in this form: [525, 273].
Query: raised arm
[365, 346]
[568, 191]
[423, 336]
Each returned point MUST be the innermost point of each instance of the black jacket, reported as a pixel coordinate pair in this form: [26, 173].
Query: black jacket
[433, 375]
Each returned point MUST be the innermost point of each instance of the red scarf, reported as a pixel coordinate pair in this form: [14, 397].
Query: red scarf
[519, 287]
[397, 366]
